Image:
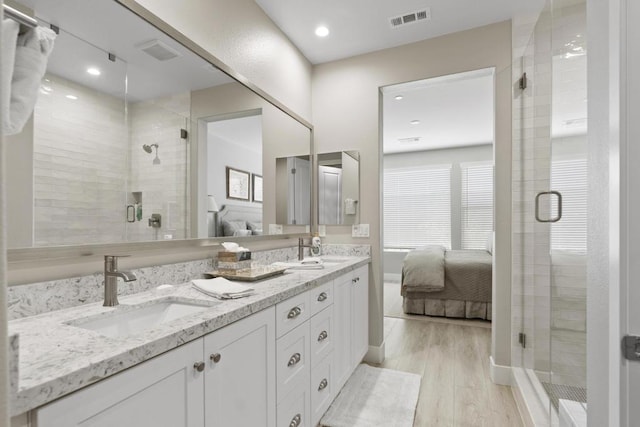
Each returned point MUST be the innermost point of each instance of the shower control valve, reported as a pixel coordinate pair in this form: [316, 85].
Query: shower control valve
[155, 221]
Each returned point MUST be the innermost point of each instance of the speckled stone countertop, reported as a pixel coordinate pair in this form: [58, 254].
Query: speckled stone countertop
[56, 358]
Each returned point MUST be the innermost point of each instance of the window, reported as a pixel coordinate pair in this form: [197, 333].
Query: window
[476, 204]
[417, 207]
[569, 177]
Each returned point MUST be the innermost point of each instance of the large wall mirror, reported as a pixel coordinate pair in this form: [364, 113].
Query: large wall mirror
[133, 137]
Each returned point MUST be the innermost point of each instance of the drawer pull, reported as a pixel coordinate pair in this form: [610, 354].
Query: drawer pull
[323, 336]
[215, 357]
[322, 296]
[353, 280]
[294, 312]
[293, 360]
[198, 366]
[295, 421]
[323, 384]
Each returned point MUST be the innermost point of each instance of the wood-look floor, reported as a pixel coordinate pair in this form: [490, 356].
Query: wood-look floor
[453, 359]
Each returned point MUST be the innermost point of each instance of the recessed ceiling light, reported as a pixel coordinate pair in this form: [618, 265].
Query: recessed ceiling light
[322, 31]
[72, 97]
[93, 71]
[415, 122]
[399, 97]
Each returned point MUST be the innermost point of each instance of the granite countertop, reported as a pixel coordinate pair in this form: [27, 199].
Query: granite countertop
[56, 358]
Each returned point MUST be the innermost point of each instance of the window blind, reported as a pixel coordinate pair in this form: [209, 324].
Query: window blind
[569, 177]
[476, 204]
[417, 207]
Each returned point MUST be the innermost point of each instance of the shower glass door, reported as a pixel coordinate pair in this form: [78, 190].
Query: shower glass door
[549, 216]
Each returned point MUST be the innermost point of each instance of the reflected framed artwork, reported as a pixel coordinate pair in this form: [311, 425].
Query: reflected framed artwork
[256, 188]
[237, 184]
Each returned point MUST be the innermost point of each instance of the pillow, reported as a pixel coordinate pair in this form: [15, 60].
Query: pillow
[230, 227]
[241, 233]
[489, 244]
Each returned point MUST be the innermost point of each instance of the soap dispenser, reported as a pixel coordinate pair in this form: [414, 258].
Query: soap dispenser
[316, 245]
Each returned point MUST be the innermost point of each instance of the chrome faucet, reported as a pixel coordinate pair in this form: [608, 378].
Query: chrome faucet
[111, 275]
[301, 247]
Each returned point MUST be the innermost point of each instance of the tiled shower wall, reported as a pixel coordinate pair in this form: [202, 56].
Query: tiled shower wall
[88, 161]
[80, 165]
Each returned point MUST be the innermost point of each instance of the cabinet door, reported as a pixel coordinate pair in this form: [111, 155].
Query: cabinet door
[360, 313]
[240, 385]
[165, 391]
[342, 329]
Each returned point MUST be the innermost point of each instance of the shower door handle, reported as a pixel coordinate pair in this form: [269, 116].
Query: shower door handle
[551, 193]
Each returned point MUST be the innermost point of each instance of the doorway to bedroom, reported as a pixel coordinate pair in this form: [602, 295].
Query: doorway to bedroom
[438, 142]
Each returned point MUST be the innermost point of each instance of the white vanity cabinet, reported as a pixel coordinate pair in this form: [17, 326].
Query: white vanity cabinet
[351, 323]
[164, 391]
[231, 368]
[239, 380]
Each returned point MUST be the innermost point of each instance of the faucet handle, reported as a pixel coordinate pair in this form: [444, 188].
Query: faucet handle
[111, 261]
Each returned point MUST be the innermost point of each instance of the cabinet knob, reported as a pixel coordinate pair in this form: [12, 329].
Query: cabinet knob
[295, 421]
[294, 312]
[353, 280]
[293, 360]
[215, 357]
[323, 336]
[323, 384]
[198, 366]
[322, 296]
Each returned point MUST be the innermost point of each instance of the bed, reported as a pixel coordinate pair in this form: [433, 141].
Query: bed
[449, 283]
[239, 221]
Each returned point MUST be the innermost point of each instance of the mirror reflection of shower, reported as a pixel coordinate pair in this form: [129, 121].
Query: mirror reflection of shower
[149, 149]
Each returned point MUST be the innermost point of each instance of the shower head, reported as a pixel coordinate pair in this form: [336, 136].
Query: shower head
[149, 148]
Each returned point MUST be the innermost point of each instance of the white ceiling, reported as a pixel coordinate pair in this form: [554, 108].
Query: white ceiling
[90, 29]
[361, 26]
[454, 111]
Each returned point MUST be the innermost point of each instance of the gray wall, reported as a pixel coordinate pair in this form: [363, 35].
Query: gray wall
[346, 116]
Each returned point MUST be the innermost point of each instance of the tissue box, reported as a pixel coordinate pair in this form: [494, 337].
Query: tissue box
[233, 256]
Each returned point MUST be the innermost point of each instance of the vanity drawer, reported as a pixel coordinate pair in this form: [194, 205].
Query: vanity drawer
[295, 410]
[322, 335]
[322, 390]
[292, 360]
[321, 297]
[291, 313]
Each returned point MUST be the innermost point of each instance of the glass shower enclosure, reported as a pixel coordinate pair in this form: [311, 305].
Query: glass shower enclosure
[550, 211]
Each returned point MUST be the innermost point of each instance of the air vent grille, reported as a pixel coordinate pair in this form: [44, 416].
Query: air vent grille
[410, 18]
[158, 49]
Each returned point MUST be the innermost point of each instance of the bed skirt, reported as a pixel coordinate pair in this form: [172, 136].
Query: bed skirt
[447, 308]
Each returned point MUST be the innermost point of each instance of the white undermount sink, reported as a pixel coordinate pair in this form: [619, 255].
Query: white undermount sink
[130, 320]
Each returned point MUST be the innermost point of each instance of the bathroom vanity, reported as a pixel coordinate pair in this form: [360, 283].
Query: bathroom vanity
[276, 358]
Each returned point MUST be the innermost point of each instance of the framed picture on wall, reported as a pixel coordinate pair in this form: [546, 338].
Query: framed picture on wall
[256, 188]
[237, 184]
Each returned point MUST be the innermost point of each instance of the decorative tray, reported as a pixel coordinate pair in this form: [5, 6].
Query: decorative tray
[250, 274]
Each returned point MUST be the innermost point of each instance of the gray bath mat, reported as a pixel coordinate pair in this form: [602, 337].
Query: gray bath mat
[375, 397]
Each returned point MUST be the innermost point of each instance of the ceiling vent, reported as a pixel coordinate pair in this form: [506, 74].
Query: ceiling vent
[410, 18]
[411, 140]
[158, 49]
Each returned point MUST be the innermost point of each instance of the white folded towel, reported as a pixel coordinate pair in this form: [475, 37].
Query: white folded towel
[305, 264]
[222, 288]
[10, 30]
[31, 56]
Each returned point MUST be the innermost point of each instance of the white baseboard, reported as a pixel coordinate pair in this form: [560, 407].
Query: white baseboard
[500, 374]
[375, 354]
[392, 277]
